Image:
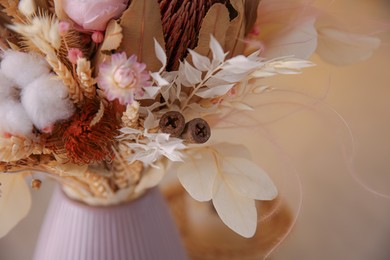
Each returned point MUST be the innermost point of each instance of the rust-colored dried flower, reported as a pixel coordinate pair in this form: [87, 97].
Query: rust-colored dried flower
[181, 21]
[87, 141]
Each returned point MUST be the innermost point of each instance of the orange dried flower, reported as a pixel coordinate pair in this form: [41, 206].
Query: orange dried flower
[86, 142]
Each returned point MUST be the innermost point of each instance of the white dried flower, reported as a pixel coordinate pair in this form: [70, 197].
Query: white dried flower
[46, 102]
[14, 119]
[7, 88]
[23, 67]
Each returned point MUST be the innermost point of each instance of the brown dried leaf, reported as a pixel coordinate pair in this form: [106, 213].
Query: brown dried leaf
[251, 7]
[236, 32]
[141, 23]
[216, 22]
[113, 36]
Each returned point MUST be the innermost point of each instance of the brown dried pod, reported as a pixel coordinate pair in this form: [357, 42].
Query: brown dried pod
[196, 131]
[172, 123]
[36, 184]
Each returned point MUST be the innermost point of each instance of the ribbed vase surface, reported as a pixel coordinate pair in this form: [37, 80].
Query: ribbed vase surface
[139, 230]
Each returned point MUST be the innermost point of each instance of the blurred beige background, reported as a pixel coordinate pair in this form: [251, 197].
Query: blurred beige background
[339, 218]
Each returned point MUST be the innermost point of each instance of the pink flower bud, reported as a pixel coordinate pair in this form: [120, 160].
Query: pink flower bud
[94, 14]
[74, 54]
[97, 37]
[63, 28]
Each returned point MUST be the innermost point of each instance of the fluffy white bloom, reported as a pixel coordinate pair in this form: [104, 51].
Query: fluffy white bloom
[123, 78]
[152, 147]
[46, 101]
[14, 119]
[23, 67]
[7, 88]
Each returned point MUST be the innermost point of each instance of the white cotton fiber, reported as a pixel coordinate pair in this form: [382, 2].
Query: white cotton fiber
[7, 88]
[46, 101]
[14, 119]
[22, 67]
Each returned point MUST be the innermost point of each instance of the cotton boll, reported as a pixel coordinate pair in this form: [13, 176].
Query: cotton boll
[14, 119]
[46, 102]
[23, 67]
[7, 88]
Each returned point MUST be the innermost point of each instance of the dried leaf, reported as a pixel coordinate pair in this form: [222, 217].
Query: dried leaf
[141, 24]
[113, 36]
[216, 23]
[214, 92]
[237, 212]
[247, 178]
[197, 175]
[235, 34]
[15, 201]
[251, 7]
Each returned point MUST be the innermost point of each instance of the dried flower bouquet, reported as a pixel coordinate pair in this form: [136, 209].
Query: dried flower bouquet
[109, 96]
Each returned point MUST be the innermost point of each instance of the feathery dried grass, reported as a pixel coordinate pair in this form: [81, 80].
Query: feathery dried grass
[64, 74]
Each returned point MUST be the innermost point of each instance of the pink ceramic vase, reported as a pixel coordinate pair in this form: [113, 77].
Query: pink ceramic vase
[141, 230]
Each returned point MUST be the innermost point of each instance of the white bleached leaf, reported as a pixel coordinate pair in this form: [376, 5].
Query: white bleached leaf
[240, 64]
[151, 92]
[197, 175]
[248, 179]
[200, 62]
[263, 73]
[151, 177]
[237, 212]
[214, 91]
[193, 75]
[343, 48]
[160, 80]
[15, 201]
[225, 77]
[113, 36]
[218, 53]
[150, 121]
[160, 54]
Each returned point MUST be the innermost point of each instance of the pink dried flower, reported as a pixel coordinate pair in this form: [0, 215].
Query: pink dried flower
[94, 14]
[122, 78]
[74, 54]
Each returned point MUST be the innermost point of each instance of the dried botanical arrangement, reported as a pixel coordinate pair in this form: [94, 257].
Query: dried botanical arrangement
[109, 102]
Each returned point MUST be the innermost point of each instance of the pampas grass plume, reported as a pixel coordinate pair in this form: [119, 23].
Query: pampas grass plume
[46, 101]
[23, 67]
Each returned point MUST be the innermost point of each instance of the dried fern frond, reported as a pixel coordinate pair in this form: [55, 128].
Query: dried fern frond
[84, 74]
